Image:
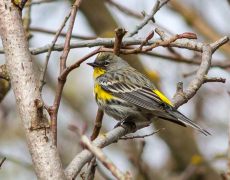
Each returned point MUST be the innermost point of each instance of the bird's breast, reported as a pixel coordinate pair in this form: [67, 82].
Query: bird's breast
[101, 95]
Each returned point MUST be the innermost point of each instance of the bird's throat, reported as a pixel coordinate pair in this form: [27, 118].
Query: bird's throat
[98, 72]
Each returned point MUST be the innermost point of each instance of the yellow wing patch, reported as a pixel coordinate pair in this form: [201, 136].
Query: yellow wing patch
[98, 72]
[101, 94]
[162, 97]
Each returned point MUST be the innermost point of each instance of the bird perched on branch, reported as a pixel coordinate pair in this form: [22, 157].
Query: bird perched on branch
[128, 96]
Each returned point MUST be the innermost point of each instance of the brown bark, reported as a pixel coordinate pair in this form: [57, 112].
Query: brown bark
[44, 154]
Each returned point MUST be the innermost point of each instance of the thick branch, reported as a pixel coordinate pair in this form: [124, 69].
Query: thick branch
[85, 156]
[47, 163]
[109, 42]
[196, 83]
[104, 159]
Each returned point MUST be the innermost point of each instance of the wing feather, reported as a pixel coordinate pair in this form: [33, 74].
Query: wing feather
[142, 97]
[148, 98]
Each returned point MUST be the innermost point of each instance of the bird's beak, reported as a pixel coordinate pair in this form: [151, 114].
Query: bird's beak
[93, 64]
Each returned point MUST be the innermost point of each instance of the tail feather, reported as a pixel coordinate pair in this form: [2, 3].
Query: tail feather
[183, 119]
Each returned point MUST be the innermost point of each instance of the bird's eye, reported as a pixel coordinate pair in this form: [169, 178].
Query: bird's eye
[106, 63]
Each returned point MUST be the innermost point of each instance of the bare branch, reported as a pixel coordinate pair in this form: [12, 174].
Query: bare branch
[219, 43]
[104, 159]
[119, 32]
[214, 79]
[61, 81]
[149, 17]
[42, 78]
[46, 31]
[47, 163]
[109, 42]
[140, 136]
[163, 42]
[85, 156]
[124, 9]
[97, 125]
[196, 83]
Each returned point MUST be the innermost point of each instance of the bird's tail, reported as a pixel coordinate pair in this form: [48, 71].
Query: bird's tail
[180, 118]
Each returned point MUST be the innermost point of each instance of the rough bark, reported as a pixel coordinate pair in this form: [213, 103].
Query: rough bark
[44, 154]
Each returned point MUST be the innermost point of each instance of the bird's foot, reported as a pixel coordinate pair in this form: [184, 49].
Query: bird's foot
[125, 123]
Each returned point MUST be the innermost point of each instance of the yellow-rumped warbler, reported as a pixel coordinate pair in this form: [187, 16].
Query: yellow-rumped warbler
[128, 96]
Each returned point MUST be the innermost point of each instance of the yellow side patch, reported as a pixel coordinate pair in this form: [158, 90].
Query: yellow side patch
[196, 159]
[101, 94]
[162, 97]
[98, 72]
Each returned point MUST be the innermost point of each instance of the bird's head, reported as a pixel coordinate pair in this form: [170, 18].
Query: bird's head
[107, 62]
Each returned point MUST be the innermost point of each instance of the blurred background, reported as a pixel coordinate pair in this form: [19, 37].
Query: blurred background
[176, 152]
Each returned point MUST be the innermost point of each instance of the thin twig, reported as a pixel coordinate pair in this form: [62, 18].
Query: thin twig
[125, 10]
[78, 63]
[104, 159]
[42, 30]
[140, 136]
[85, 156]
[119, 34]
[57, 34]
[149, 36]
[90, 173]
[158, 5]
[163, 42]
[214, 79]
[61, 82]
[97, 125]
[185, 75]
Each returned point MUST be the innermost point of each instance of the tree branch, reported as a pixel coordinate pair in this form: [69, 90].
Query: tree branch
[85, 156]
[53, 111]
[104, 159]
[47, 163]
[58, 32]
[109, 42]
[149, 17]
[97, 125]
[63, 34]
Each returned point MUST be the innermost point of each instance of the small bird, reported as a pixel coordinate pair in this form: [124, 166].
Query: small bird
[129, 96]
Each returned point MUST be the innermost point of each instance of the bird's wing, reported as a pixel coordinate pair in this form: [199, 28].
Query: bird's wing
[141, 96]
